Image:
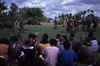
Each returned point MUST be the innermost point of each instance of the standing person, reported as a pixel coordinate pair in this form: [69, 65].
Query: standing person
[71, 24]
[88, 24]
[68, 56]
[55, 23]
[95, 24]
[93, 41]
[21, 25]
[68, 24]
[76, 24]
[51, 53]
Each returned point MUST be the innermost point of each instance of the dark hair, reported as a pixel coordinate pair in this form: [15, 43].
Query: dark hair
[4, 41]
[72, 35]
[58, 36]
[66, 45]
[90, 34]
[14, 38]
[53, 42]
[27, 41]
[61, 40]
[31, 35]
[44, 39]
[87, 41]
[65, 37]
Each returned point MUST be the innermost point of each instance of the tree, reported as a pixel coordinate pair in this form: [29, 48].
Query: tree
[35, 13]
[83, 13]
[22, 13]
[14, 9]
[13, 13]
[2, 7]
[78, 16]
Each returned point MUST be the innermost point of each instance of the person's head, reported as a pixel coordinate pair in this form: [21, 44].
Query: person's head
[4, 41]
[53, 42]
[90, 34]
[61, 40]
[66, 45]
[72, 35]
[14, 38]
[87, 41]
[58, 36]
[27, 42]
[64, 37]
[44, 38]
[31, 35]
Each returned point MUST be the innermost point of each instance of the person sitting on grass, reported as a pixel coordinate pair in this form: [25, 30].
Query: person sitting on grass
[51, 53]
[29, 57]
[58, 38]
[86, 53]
[43, 43]
[67, 56]
[93, 41]
[4, 49]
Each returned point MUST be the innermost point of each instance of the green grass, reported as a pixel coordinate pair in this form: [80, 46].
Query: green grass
[41, 29]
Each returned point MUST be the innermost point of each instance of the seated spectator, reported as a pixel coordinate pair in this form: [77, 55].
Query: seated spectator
[43, 43]
[94, 41]
[64, 37]
[29, 52]
[4, 49]
[29, 58]
[33, 39]
[15, 48]
[68, 56]
[51, 53]
[86, 53]
[74, 43]
[60, 46]
[58, 38]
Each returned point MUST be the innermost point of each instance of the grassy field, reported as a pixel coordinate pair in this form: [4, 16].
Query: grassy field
[45, 28]
[48, 28]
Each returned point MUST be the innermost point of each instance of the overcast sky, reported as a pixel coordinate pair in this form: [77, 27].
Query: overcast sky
[52, 8]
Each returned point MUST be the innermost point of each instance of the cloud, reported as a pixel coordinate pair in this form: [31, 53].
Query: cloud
[90, 1]
[52, 8]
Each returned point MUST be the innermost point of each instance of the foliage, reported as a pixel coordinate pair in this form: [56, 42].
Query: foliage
[2, 6]
[34, 12]
[13, 12]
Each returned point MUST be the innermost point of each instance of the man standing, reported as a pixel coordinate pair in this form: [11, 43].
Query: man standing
[55, 23]
[21, 26]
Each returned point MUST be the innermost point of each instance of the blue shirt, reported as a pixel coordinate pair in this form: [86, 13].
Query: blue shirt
[68, 57]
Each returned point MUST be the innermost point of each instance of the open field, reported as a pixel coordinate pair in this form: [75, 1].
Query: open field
[48, 28]
[45, 28]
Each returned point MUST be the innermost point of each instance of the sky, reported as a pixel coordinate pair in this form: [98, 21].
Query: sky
[53, 8]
